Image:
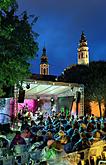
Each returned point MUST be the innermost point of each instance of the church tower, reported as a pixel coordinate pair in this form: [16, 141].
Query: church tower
[44, 66]
[83, 53]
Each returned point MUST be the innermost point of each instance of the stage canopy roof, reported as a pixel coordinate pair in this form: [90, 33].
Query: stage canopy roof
[48, 88]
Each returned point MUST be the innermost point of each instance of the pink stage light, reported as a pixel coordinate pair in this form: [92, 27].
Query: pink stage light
[31, 104]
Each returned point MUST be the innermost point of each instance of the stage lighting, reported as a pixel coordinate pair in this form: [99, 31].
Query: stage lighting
[72, 88]
[38, 98]
[52, 99]
[28, 86]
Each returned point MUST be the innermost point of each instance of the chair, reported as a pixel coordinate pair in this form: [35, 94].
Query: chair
[84, 155]
[24, 158]
[102, 162]
[8, 160]
[3, 151]
[19, 149]
[73, 158]
[96, 151]
[35, 156]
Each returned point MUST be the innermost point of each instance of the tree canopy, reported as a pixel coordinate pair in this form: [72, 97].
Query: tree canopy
[5, 4]
[93, 77]
[17, 45]
[96, 87]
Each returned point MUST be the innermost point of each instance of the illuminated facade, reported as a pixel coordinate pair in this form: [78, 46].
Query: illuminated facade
[44, 66]
[83, 53]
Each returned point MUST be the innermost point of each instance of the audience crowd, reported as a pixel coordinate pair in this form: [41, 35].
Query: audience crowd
[51, 137]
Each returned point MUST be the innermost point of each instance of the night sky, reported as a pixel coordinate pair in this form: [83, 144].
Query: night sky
[60, 25]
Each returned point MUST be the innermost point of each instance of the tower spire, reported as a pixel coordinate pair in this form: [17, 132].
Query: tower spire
[83, 38]
[44, 51]
[83, 53]
[44, 66]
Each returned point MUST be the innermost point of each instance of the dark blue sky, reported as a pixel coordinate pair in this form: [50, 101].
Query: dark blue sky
[60, 25]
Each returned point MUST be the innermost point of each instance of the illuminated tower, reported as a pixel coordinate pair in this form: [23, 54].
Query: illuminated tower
[44, 66]
[83, 53]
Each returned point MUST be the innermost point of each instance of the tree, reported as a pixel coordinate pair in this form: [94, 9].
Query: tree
[17, 46]
[75, 74]
[78, 74]
[5, 4]
[96, 88]
[94, 79]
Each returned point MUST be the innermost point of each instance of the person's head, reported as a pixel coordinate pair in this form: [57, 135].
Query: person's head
[98, 119]
[104, 125]
[72, 116]
[27, 130]
[18, 134]
[65, 139]
[98, 126]
[92, 115]
[67, 127]
[81, 118]
[90, 127]
[49, 135]
[2, 132]
[43, 132]
[76, 131]
[57, 145]
[61, 133]
[32, 122]
[76, 125]
[61, 128]
[49, 118]
[25, 122]
[43, 163]
[50, 143]
[83, 135]
[39, 133]
[50, 126]
[97, 136]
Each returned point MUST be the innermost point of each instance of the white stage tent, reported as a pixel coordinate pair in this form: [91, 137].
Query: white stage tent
[47, 89]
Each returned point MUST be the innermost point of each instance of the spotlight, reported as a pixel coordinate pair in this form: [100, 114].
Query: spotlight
[52, 99]
[72, 88]
[38, 98]
[28, 86]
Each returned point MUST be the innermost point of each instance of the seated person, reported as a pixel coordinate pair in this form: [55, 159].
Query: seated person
[27, 133]
[53, 153]
[25, 125]
[17, 140]
[104, 127]
[4, 142]
[83, 143]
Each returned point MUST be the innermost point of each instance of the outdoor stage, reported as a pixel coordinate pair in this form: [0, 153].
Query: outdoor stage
[48, 96]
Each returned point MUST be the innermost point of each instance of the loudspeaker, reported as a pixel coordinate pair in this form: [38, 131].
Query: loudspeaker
[21, 96]
[78, 96]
